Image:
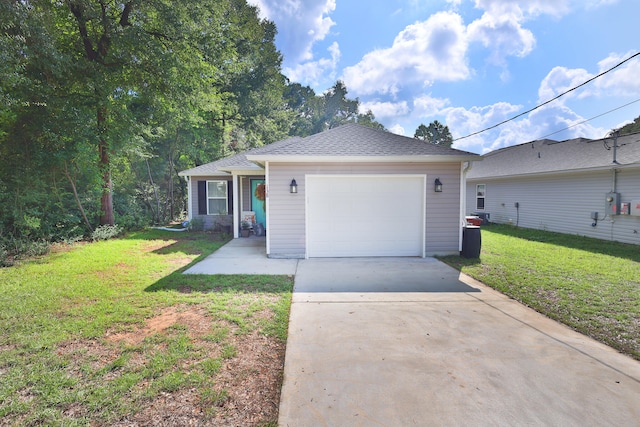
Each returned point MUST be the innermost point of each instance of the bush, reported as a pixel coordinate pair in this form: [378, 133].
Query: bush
[105, 232]
[196, 224]
[16, 248]
[4, 257]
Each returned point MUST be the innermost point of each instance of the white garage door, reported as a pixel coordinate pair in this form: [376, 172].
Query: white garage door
[364, 215]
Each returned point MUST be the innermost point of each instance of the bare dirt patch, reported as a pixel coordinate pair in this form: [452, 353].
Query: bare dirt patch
[195, 319]
[246, 389]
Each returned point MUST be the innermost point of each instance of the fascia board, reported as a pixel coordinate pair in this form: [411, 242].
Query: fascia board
[557, 172]
[363, 159]
[217, 172]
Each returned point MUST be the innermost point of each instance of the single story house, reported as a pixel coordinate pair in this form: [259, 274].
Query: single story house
[350, 191]
[579, 186]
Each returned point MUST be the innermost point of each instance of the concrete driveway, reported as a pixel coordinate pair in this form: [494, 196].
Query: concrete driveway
[400, 342]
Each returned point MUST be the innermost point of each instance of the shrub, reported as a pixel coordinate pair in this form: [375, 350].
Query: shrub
[16, 248]
[105, 232]
[4, 257]
[196, 224]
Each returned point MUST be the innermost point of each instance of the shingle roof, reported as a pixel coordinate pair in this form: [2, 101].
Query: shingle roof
[353, 140]
[547, 156]
[350, 140]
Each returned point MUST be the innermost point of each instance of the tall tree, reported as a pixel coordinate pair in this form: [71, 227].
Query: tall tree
[435, 133]
[132, 82]
[632, 127]
[333, 108]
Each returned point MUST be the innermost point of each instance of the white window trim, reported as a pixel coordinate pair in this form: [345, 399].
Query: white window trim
[226, 197]
[484, 197]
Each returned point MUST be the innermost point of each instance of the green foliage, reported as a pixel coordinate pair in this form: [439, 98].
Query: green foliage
[97, 95]
[196, 224]
[633, 127]
[314, 114]
[106, 232]
[435, 133]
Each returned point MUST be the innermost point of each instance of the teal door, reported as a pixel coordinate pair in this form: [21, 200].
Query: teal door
[258, 205]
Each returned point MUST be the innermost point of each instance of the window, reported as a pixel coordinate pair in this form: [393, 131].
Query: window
[217, 197]
[480, 191]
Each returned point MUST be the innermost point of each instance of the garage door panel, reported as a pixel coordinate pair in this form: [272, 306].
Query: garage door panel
[365, 216]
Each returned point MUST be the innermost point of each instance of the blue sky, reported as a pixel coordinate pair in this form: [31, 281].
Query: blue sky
[469, 64]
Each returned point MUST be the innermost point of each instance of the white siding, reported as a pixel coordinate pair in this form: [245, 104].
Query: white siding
[287, 211]
[562, 203]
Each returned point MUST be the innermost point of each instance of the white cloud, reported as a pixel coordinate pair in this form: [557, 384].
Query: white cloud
[620, 82]
[397, 129]
[300, 24]
[527, 7]
[314, 72]
[427, 106]
[385, 109]
[623, 81]
[559, 80]
[422, 53]
[556, 122]
[502, 33]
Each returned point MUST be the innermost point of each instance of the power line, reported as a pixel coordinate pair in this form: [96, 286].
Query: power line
[588, 120]
[549, 101]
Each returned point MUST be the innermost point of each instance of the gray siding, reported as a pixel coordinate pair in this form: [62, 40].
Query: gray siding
[209, 221]
[286, 211]
[562, 203]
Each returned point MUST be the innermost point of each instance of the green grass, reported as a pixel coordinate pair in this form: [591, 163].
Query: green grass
[57, 363]
[590, 285]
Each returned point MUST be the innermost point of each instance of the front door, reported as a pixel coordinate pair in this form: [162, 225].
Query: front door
[258, 201]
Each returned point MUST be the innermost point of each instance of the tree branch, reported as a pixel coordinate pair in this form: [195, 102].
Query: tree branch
[75, 194]
[77, 9]
[124, 18]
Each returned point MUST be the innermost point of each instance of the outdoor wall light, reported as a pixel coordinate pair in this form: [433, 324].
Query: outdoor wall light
[293, 187]
[437, 187]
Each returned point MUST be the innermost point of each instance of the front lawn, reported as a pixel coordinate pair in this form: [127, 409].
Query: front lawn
[589, 284]
[111, 333]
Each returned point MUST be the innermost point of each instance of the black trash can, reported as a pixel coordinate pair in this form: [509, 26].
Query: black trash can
[471, 241]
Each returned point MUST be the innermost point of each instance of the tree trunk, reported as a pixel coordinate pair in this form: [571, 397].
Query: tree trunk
[155, 192]
[106, 201]
[75, 194]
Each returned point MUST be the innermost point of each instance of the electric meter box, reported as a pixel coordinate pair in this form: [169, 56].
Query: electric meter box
[612, 204]
[635, 207]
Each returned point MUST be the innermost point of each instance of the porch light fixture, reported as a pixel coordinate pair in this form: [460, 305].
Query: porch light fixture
[293, 187]
[437, 187]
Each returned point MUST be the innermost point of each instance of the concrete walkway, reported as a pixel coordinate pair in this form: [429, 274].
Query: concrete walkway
[400, 342]
[244, 256]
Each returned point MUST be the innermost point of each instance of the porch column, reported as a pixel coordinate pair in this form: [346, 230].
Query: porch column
[236, 206]
[189, 198]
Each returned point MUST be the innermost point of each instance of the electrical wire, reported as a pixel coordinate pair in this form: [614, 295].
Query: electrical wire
[549, 101]
[588, 120]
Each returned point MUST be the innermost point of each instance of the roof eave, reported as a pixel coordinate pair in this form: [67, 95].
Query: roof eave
[558, 172]
[204, 173]
[442, 158]
[245, 171]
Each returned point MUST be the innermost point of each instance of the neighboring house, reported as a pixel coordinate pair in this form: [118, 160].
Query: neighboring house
[579, 186]
[359, 192]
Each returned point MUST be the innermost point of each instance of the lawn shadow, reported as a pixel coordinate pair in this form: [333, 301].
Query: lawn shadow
[189, 243]
[222, 283]
[597, 246]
